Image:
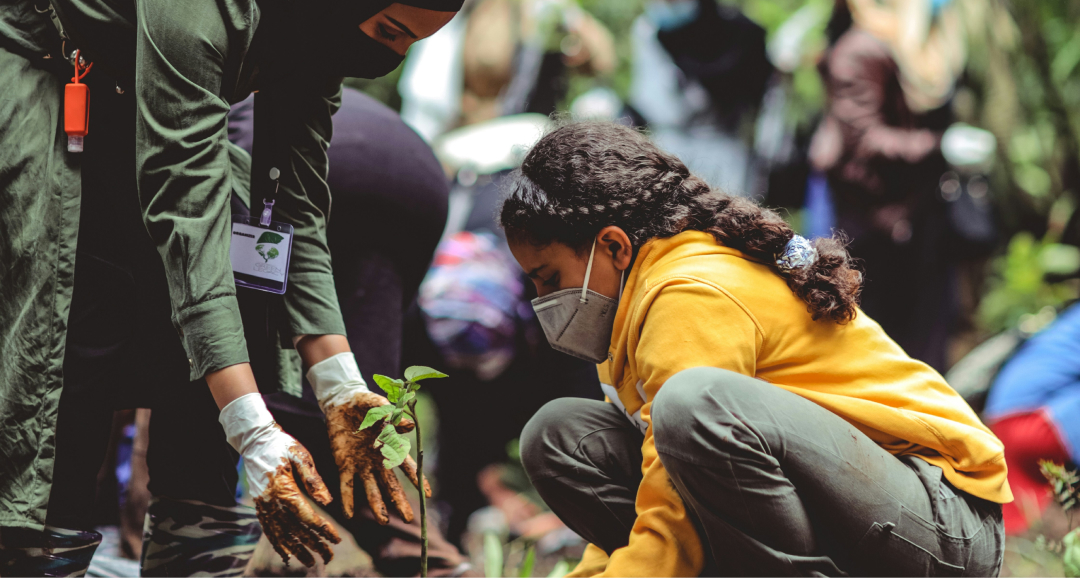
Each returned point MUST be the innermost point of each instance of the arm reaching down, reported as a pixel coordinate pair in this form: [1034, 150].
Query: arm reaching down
[678, 331]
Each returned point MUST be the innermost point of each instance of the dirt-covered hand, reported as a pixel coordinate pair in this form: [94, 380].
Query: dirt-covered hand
[358, 457]
[271, 459]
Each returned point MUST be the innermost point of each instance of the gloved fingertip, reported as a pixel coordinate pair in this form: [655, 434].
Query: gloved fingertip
[328, 554]
[322, 495]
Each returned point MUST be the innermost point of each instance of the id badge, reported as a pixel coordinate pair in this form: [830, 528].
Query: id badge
[260, 255]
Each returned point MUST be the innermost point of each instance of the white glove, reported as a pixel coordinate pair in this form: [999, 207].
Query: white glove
[270, 456]
[336, 380]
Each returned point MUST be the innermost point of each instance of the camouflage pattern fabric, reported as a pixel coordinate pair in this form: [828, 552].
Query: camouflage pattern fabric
[191, 538]
[52, 552]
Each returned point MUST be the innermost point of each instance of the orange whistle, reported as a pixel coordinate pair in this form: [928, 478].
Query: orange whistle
[77, 108]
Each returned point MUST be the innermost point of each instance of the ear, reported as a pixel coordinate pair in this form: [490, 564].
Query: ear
[613, 241]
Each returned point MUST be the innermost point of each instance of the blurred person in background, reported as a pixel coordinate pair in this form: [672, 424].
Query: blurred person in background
[699, 74]
[1034, 408]
[889, 73]
[501, 57]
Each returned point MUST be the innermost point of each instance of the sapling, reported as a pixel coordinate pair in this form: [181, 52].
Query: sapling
[394, 446]
[1066, 488]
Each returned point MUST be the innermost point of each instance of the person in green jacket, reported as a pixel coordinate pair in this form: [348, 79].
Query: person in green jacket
[86, 300]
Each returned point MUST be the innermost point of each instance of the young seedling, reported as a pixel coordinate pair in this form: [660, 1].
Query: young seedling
[1066, 486]
[394, 446]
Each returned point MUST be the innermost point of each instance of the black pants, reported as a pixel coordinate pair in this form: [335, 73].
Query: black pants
[776, 484]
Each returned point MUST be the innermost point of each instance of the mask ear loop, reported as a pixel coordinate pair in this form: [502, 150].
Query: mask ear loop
[588, 272]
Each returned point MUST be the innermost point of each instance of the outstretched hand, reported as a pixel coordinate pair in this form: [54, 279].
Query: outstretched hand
[271, 458]
[358, 457]
[288, 520]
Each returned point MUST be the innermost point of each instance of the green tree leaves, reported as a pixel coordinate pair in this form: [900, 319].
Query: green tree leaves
[375, 414]
[419, 372]
[394, 446]
[402, 396]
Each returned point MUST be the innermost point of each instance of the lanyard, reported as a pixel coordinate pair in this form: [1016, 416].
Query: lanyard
[261, 248]
[268, 152]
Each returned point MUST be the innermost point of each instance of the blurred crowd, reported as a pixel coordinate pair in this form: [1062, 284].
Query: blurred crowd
[885, 164]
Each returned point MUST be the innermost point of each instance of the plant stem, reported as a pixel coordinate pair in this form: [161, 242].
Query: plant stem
[423, 496]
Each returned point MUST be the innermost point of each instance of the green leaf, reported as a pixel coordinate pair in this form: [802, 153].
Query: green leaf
[272, 253]
[398, 414]
[270, 237]
[395, 447]
[529, 563]
[562, 568]
[493, 555]
[419, 372]
[393, 387]
[375, 414]
[1071, 556]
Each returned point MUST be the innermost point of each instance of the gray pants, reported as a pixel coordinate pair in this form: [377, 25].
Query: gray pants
[776, 484]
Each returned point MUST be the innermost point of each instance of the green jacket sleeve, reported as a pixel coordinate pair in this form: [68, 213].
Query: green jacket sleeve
[184, 74]
[311, 306]
[183, 171]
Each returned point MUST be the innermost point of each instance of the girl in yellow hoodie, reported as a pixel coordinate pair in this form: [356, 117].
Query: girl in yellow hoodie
[759, 423]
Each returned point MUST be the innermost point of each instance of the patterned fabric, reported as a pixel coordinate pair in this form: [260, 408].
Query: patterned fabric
[188, 538]
[472, 300]
[53, 552]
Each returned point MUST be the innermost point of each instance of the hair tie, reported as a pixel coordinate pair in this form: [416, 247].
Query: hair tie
[797, 254]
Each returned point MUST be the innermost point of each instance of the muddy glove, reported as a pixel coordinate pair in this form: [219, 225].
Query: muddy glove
[345, 399]
[270, 458]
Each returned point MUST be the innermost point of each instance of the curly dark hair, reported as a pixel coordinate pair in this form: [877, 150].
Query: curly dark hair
[584, 176]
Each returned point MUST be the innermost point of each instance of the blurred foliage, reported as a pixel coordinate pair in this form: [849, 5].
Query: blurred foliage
[618, 16]
[1066, 487]
[1024, 86]
[517, 558]
[1018, 286]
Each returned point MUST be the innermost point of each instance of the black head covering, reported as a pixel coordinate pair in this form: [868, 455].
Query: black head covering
[322, 38]
[438, 5]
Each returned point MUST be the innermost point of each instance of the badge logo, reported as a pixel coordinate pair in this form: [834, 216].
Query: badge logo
[264, 245]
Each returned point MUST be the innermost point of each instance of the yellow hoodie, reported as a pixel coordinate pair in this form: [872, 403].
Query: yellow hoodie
[691, 302]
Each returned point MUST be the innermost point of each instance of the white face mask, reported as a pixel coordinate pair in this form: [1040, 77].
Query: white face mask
[579, 321]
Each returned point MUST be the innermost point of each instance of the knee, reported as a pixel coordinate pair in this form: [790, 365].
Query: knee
[694, 395]
[543, 437]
